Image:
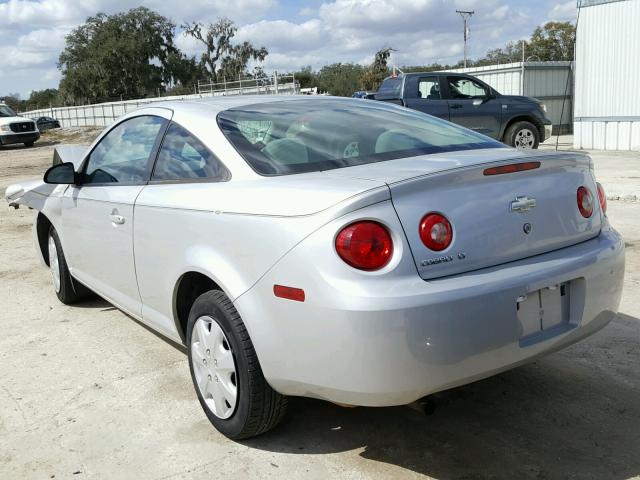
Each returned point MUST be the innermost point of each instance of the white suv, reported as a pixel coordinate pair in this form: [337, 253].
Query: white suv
[15, 129]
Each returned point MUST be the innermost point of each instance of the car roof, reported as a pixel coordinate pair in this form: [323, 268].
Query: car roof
[413, 74]
[221, 103]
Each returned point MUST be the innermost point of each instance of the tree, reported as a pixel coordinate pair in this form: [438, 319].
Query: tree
[221, 57]
[373, 76]
[43, 98]
[305, 77]
[512, 52]
[340, 79]
[14, 102]
[553, 41]
[185, 71]
[124, 54]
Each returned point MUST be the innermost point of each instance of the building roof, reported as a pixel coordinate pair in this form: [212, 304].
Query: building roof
[591, 3]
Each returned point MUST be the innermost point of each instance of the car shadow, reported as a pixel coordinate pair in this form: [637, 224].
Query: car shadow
[97, 303]
[573, 414]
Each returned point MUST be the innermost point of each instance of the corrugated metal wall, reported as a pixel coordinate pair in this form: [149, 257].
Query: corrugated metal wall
[546, 81]
[607, 106]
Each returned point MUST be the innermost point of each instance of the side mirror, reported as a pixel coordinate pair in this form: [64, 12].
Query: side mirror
[61, 174]
[477, 102]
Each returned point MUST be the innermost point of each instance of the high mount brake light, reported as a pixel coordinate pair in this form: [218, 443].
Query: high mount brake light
[365, 245]
[585, 202]
[435, 231]
[511, 168]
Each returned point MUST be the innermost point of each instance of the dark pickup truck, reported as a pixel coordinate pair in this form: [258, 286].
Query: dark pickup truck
[517, 121]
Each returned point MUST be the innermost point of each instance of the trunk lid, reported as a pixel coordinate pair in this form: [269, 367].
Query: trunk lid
[487, 230]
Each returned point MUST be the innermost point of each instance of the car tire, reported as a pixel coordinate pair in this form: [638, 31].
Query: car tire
[29, 144]
[66, 287]
[225, 369]
[523, 135]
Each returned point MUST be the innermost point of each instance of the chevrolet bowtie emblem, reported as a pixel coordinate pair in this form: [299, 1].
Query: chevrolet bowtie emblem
[523, 204]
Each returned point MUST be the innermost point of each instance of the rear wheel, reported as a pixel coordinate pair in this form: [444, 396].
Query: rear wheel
[522, 135]
[67, 289]
[226, 373]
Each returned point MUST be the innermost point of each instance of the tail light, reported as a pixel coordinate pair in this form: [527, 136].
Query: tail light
[435, 231]
[585, 202]
[365, 245]
[602, 197]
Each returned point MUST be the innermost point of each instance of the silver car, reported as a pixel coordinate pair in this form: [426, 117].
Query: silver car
[357, 252]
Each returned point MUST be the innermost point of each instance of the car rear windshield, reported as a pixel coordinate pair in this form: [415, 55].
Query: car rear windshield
[296, 136]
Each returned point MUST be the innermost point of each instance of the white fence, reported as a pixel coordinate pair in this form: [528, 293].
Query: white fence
[102, 114]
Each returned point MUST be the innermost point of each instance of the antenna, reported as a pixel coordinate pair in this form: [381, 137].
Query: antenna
[466, 15]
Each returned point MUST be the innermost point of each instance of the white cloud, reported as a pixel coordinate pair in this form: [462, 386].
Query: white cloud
[285, 35]
[38, 13]
[563, 11]
[422, 31]
[44, 40]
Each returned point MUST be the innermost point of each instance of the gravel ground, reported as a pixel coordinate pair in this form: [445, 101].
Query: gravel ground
[86, 392]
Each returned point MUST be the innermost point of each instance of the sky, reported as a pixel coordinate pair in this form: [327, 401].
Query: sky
[296, 33]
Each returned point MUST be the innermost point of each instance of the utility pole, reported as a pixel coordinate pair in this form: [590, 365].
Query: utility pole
[466, 15]
[522, 71]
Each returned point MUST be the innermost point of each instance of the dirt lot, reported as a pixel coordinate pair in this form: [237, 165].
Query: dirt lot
[86, 392]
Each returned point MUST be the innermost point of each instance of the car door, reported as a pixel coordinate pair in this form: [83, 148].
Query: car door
[424, 94]
[97, 214]
[184, 167]
[473, 105]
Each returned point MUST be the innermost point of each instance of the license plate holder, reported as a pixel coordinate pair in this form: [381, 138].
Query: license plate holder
[544, 312]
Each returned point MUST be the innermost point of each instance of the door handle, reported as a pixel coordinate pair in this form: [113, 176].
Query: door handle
[115, 218]
[456, 105]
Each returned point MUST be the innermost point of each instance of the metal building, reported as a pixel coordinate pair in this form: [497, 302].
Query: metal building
[549, 82]
[607, 100]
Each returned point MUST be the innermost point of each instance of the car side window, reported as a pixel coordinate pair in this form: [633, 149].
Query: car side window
[183, 157]
[429, 88]
[122, 156]
[463, 87]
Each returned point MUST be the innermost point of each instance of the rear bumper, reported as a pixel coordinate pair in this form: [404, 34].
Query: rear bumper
[368, 348]
[13, 138]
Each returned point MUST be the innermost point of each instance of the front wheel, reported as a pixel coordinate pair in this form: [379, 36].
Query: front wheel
[67, 289]
[522, 135]
[226, 373]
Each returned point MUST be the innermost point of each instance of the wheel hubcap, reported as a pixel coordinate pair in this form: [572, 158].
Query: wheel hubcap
[54, 264]
[525, 139]
[213, 367]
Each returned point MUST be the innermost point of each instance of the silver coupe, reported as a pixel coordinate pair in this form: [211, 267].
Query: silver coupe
[347, 250]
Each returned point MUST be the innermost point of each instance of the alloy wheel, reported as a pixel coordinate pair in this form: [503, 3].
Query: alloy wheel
[525, 139]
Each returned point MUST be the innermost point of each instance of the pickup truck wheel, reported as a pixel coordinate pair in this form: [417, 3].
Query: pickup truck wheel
[67, 289]
[523, 135]
[226, 373]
